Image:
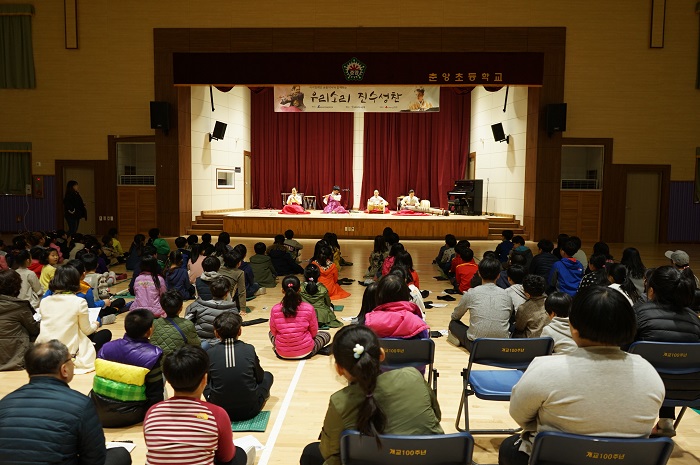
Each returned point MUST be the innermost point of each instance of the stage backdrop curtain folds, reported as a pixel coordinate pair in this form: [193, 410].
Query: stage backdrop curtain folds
[426, 152]
[309, 151]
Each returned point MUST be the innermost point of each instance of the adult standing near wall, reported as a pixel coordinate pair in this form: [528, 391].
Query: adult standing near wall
[73, 207]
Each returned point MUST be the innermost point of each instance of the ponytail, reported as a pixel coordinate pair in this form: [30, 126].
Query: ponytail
[686, 287]
[311, 275]
[673, 286]
[357, 350]
[291, 299]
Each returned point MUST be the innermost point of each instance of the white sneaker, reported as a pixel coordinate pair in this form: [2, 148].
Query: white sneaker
[452, 339]
[261, 291]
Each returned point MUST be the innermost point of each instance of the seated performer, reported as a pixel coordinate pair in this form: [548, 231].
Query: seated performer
[294, 204]
[376, 203]
[410, 200]
[332, 202]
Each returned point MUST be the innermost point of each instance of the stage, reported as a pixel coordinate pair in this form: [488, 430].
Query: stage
[354, 225]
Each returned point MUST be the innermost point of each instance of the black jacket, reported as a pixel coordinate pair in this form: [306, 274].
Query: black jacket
[664, 323]
[46, 421]
[541, 264]
[73, 206]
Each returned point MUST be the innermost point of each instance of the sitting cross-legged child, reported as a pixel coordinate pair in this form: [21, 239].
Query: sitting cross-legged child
[557, 305]
[203, 312]
[128, 376]
[172, 332]
[234, 367]
[530, 316]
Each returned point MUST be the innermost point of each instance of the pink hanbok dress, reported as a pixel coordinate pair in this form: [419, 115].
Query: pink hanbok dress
[333, 204]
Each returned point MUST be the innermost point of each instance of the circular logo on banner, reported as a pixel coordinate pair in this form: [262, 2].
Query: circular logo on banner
[354, 69]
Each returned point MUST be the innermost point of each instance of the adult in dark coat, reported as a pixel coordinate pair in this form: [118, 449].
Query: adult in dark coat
[666, 317]
[45, 421]
[73, 207]
[17, 324]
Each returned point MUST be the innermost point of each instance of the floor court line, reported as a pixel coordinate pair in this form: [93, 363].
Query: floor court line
[270, 444]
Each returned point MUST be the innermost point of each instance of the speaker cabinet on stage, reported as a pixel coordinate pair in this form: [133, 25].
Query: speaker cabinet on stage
[556, 118]
[160, 116]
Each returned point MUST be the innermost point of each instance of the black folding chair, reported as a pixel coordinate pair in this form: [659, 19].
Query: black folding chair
[513, 354]
[552, 448]
[674, 360]
[416, 353]
[438, 449]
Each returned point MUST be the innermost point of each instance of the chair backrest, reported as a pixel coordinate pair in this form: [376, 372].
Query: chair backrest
[572, 449]
[677, 358]
[416, 353]
[439, 449]
[514, 353]
[408, 352]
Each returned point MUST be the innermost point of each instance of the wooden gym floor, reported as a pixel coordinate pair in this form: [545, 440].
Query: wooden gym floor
[300, 394]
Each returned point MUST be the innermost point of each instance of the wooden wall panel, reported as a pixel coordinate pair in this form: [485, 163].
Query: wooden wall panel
[364, 228]
[137, 210]
[580, 214]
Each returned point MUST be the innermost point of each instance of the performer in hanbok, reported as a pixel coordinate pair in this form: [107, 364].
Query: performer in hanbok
[332, 202]
[294, 204]
[376, 203]
[410, 200]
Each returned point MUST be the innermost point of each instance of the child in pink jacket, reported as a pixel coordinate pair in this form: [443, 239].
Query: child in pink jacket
[293, 325]
[149, 286]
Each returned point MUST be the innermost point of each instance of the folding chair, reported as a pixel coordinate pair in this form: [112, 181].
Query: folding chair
[674, 359]
[416, 353]
[572, 449]
[438, 449]
[514, 354]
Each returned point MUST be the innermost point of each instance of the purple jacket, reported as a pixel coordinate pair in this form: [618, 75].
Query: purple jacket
[147, 295]
[135, 352]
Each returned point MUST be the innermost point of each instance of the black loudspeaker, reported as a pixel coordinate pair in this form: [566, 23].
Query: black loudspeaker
[219, 131]
[556, 118]
[498, 134]
[160, 116]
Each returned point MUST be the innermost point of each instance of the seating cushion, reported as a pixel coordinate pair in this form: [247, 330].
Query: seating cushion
[127, 374]
[119, 391]
[494, 384]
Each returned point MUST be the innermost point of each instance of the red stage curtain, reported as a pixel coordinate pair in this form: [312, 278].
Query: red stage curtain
[309, 151]
[426, 152]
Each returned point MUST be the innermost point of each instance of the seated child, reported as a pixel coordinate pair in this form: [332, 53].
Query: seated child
[181, 244]
[329, 274]
[465, 271]
[149, 286]
[567, 273]
[395, 315]
[203, 312]
[400, 270]
[36, 265]
[282, 261]
[516, 274]
[211, 266]
[519, 248]
[135, 252]
[376, 259]
[263, 270]
[169, 429]
[530, 316]
[389, 261]
[172, 332]
[49, 260]
[235, 276]
[161, 245]
[100, 282]
[128, 376]
[176, 276]
[234, 367]
[31, 287]
[108, 308]
[252, 288]
[557, 306]
[116, 245]
[446, 254]
[108, 250]
[598, 275]
[503, 249]
[293, 325]
[316, 294]
[394, 402]
[502, 280]
[293, 246]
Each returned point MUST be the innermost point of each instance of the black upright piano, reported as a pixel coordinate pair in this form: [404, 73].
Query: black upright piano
[465, 198]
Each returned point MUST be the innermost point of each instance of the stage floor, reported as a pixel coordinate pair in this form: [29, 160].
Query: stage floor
[354, 225]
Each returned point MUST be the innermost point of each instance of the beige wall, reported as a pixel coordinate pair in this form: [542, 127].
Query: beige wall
[615, 85]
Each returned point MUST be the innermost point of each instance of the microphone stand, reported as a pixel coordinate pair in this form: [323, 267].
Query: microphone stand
[487, 196]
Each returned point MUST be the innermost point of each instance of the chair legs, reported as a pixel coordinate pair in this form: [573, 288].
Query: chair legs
[678, 419]
[464, 405]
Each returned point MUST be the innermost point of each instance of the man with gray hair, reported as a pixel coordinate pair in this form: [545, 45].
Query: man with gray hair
[45, 421]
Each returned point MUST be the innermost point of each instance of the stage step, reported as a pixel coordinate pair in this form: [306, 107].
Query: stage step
[207, 223]
[498, 224]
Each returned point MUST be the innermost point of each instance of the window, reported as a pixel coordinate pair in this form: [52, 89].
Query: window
[16, 168]
[136, 163]
[582, 167]
[225, 178]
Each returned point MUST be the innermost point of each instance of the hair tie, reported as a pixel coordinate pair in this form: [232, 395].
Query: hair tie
[371, 394]
[290, 285]
[311, 280]
[359, 350]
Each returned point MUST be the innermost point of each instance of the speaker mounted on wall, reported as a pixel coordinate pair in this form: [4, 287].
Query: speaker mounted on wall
[160, 116]
[556, 118]
[219, 131]
[499, 134]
